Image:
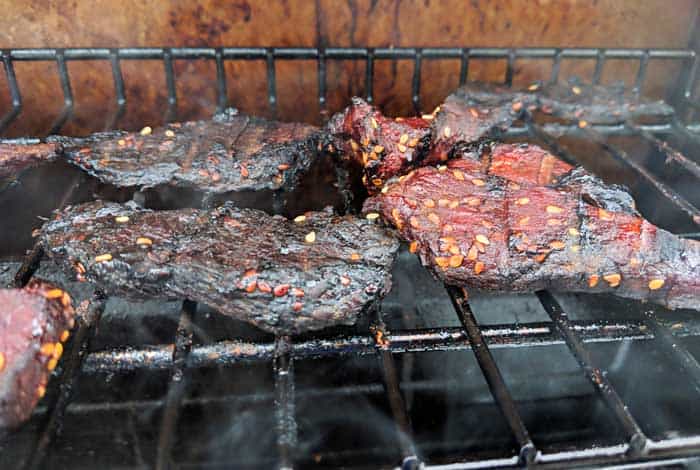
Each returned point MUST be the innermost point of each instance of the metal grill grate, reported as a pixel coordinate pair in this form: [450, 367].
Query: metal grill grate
[182, 355]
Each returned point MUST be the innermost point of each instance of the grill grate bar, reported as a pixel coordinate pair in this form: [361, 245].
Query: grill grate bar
[221, 89]
[321, 55]
[14, 92]
[392, 390]
[448, 339]
[641, 74]
[271, 82]
[676, 199]
[464, 67]
[688, 362]
[171, 113]
[30, 264]
[67, 111]
[497, 385]
[177, 385]
[369, 77]
[321, 71]
[415, 93]
[635, 435]
[119, 95]
[285, 418]
[57, 410]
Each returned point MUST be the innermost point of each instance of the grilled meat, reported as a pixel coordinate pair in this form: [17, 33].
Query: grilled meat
[33, 327]
[483, 231]
[469, 115]
[596, 104]
[15, 157]
[383, 147]
[574, 101]
[280, 275]
[231, 153]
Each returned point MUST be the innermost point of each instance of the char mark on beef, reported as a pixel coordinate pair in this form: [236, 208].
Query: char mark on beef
[16, 157]
[500, 229]
[280, 275]
[232, 153]
[34, 325]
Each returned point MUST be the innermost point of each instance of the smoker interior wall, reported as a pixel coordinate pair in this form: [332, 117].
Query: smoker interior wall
[375, 23]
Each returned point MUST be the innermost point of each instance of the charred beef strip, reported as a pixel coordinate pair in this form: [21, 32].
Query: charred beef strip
[283, 276]
[33, 327]
[383, 147]
[229, 154]
[16, 157]
[596, 104]
[486, 232]
[471, 114]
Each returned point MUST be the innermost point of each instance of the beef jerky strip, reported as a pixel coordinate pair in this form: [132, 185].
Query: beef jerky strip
[230, 153]
[474, 230]
[280, 275]
[386, 147]
[35, 323]
[15, 157]
[595, 104]
[383, 147]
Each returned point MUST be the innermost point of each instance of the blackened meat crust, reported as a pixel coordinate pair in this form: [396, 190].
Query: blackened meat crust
[15, 158]
[482, 231]
[230, 153]
[280, 275]
[34, 324]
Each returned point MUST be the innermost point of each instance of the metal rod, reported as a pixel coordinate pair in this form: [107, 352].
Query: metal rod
[493, 377]
[119, 95]
[177, 385]
[171, 112]
[67, 110]
[641, 74]
[599, 64]
[556, 64]
[15, 95]
[321, 71]
[79, 348]
[299, 53]
[464, 67]
[415, 94]
[671, 195]
[221, 89]
[392, 390]
[285, 418]
[369, 77]
[636, 438]
[271, 82]
[662, 335]
[30, 264]
[225, 353]
[510, 68]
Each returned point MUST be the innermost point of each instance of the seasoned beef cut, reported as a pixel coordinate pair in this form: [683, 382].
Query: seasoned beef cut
[230, 153]
[34, 324]
[595, 104]
[15, 157]
[484, 232]
[383, 147]
[471, 114]
[280, 275]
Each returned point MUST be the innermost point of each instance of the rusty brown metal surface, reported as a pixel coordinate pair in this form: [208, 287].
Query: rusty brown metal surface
[374, 23]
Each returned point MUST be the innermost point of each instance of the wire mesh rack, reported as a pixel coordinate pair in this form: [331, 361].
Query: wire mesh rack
[182, 355]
